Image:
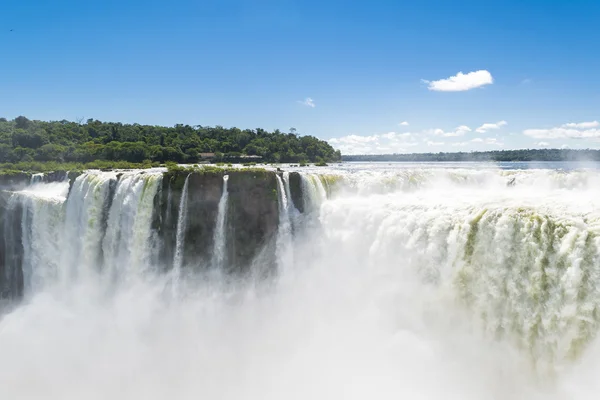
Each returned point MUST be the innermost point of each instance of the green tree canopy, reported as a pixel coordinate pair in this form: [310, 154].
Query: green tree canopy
[25, 140]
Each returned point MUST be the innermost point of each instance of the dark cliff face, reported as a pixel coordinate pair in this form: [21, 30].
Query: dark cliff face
[14, 181]
[253, 219]
[19, 180]
[296, 191]
[11, 279]
[11, 250]
[251, 224]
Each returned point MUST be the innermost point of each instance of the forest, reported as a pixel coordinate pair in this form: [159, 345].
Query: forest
[25, 141]
[498, 156]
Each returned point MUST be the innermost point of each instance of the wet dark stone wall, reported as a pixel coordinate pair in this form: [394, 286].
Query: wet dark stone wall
[251, 224]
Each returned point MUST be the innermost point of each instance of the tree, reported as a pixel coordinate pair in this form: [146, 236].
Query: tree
[22, 122]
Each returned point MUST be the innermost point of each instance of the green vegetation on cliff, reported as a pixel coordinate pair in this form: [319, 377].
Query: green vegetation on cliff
[54, 166]
[25, 141]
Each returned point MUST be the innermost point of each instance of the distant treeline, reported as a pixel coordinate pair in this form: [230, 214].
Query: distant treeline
[499, 155]
[23, 140]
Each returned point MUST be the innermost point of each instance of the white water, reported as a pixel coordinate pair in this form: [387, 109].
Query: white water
[83, 231]
[128, 241]
[37, 178]
[220, 237]
[313, 191]
[452, 286]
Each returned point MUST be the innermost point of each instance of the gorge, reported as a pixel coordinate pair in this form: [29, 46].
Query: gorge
[350, 281]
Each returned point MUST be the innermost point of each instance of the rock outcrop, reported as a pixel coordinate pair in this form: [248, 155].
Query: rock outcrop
[252, 215]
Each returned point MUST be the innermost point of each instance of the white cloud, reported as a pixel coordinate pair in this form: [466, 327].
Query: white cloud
[581, 130]
[543, 144]
[477, 140]
[582, 125]
[461, 82]
[459, 131]
[404, 123]
[565, 146]
[431, 143]
[307, 102]
[490, 126]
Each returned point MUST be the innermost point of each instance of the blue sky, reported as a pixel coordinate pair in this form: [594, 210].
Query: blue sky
[532, 68]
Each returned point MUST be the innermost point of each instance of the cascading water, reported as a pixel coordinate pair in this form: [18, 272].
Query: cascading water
[313, 191]
[128, 240]
[37, 178]
[219, 239]
[41, 232]
[86, 222]
[433, 283]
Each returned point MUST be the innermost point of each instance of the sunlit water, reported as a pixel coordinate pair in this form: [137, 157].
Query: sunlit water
[399, 281]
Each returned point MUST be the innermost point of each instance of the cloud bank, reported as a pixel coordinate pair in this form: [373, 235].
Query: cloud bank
[408, 142]
[581, 130]
[390, 142]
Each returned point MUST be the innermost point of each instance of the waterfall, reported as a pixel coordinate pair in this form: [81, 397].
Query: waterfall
[86, 220]
[127, 243]
[63, 240]
[37, 178]
[219, 239]
[498, 259]
[41, 233]
[322, 192]
[181, 228]
[483, 281]
[285, 257]
[313, 192]
[41, 227]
